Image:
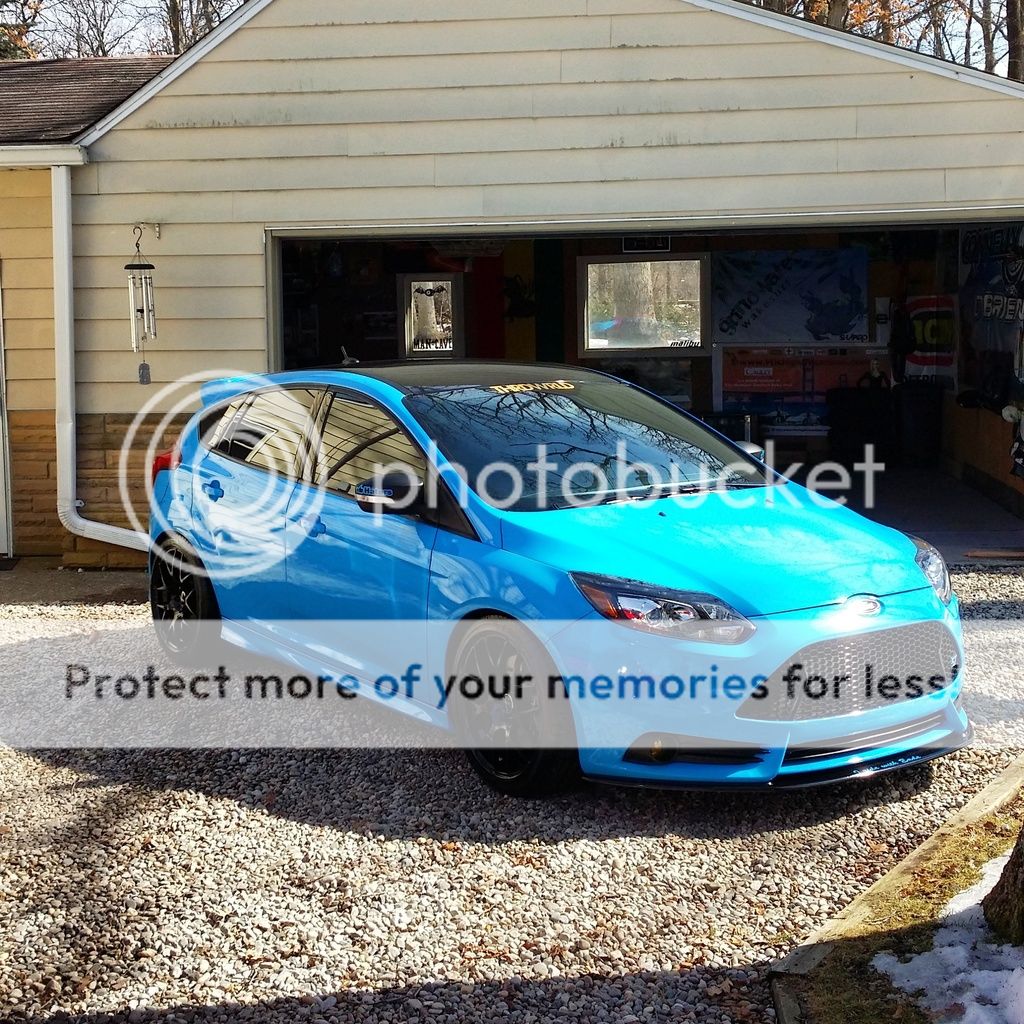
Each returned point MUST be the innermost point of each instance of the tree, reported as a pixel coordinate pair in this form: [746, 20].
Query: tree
[985, 34]
[88, 28]
[106, 28]
[1004, 905]
[17, 17]
[175, 25]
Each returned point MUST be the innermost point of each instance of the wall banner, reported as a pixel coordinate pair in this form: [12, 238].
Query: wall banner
[992, 300]
[798, 297]
[934, 326]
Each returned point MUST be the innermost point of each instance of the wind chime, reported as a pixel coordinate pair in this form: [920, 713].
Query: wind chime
[141, 304]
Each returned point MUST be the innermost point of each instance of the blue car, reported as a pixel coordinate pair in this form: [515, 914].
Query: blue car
[560, 571]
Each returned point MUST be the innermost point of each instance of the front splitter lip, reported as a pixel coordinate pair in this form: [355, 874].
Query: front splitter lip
[808, 780]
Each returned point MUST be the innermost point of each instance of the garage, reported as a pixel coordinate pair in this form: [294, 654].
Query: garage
[802, 235]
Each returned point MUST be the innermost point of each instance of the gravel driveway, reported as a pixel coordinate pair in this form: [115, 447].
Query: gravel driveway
[371, 886]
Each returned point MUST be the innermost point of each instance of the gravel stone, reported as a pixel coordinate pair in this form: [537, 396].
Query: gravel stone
[381, 886]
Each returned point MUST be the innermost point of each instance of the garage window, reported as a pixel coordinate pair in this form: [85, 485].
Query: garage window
[639, 305]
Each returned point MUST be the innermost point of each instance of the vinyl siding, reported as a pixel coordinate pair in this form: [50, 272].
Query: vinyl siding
[27, 277]
[394, 112]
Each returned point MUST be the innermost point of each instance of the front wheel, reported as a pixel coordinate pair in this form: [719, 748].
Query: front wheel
[517, 736]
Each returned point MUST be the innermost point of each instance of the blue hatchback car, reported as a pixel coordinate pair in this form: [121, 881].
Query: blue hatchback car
[660, 607]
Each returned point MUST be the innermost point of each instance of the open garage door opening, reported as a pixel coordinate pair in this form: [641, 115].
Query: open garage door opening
[909, 339]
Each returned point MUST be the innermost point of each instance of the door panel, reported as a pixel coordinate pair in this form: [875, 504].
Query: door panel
[244, 552]
[351, 566]
[253, 455]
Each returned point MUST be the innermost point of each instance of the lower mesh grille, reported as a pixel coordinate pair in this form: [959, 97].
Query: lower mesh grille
[805, 687]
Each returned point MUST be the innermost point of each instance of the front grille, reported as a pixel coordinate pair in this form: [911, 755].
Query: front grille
[805, 687]
[863, 742]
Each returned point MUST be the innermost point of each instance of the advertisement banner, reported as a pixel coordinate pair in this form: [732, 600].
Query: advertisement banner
[788, 387]
[801, 297]
[761, 371]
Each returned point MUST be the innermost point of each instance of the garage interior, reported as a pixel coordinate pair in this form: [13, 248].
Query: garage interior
[907, 338]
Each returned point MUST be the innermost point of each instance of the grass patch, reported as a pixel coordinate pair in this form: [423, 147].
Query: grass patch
[844, 988]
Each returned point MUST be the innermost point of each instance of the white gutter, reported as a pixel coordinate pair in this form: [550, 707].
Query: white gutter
[64, 372]
[43, 156]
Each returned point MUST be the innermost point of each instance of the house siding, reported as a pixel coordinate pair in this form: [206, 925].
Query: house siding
[379, 114]
[395, 112]
[26, 276]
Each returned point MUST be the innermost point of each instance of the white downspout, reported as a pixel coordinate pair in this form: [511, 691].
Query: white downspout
[64, 370]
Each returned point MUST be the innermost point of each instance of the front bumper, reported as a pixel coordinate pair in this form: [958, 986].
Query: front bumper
[852, 769]
[716, 743]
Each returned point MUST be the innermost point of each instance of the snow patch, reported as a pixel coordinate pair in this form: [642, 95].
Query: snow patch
[965, 978]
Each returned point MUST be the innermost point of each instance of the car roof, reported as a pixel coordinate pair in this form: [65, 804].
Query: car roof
[411, 375]
[401, 377]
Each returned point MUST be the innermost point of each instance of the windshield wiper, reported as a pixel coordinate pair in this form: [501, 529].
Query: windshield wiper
[655, 494]
[700, 488]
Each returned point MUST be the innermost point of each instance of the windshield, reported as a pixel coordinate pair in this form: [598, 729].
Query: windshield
[565, 443]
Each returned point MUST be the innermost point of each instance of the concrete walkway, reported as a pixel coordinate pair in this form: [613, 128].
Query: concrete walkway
[41, 581]
[953, 516]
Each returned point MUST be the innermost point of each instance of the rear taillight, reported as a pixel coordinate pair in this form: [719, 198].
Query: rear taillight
[170, 459]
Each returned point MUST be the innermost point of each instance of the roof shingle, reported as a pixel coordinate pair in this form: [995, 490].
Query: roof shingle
[54, 101]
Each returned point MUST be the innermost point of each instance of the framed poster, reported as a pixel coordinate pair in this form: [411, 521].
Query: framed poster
[433, 315]
[801, 297]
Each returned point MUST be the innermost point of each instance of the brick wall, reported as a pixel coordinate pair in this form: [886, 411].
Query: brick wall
[37, 529]
[101, 438]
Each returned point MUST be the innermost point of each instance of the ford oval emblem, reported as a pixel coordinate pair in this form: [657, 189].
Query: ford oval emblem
[865, 605]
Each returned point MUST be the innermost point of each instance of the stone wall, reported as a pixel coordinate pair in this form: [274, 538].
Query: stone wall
[36, 526]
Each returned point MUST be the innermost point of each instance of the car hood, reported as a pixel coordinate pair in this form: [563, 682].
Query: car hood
[784, 550]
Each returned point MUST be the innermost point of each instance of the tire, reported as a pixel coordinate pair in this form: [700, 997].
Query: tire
[183, 605]
[482, 649]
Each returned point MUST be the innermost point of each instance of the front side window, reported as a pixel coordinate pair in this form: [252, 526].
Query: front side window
[359, 442]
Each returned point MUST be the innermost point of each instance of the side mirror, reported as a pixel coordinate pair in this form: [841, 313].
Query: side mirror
[395, 493]
[752, 449]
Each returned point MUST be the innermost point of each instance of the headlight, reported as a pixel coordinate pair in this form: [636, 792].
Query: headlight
[933, 565]
[677, 613]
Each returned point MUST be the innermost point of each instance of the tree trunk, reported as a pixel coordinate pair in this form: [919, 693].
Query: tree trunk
[1004, 905]
[174, 26]
[988, 36]
[885, 22]
[837, 11]
[1014, 42]
[634, 291]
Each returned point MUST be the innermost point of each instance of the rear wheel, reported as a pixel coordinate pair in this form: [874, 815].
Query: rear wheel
[504, 732]
[183, 604]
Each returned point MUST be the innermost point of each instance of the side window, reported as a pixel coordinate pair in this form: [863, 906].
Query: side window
[358, 441]
[215, 426]
[270, 433]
